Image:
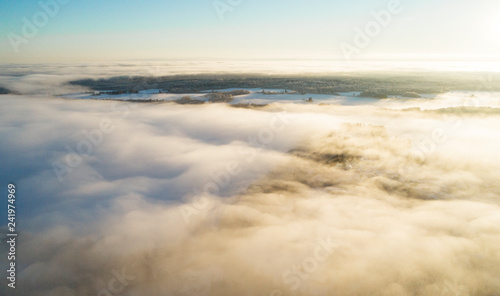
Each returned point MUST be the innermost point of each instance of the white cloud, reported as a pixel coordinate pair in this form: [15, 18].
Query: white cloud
[393, 224]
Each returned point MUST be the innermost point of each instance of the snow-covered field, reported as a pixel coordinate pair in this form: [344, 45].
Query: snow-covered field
[256, 97]
[428, 101]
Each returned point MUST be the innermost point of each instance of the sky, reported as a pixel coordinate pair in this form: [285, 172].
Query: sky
[117, 30]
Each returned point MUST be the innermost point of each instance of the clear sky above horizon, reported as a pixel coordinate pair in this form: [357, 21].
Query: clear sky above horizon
[115, 30]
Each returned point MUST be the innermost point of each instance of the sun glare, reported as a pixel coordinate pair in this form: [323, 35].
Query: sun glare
[496, 26]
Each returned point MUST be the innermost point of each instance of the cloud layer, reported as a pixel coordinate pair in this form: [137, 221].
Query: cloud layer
[162, 199]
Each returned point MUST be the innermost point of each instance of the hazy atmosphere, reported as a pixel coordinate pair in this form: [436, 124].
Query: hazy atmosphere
[76, 31]
[214, 148]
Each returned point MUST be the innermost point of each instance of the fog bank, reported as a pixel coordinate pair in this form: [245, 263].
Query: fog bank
[120, 198]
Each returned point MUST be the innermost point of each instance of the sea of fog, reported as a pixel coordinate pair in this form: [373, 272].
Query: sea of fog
[379, 197]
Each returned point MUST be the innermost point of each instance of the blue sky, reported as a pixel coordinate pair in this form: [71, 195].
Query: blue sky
[110, 30]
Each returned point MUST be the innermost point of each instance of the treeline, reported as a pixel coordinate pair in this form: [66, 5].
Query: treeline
[375, 85]
[4, 91]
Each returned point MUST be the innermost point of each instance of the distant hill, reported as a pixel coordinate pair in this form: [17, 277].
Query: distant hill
[4, 91]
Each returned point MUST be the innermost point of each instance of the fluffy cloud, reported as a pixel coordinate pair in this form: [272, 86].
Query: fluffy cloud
[163, 199]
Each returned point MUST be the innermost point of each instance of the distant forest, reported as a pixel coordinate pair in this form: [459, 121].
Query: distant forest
[377, 85]
[4, 91]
